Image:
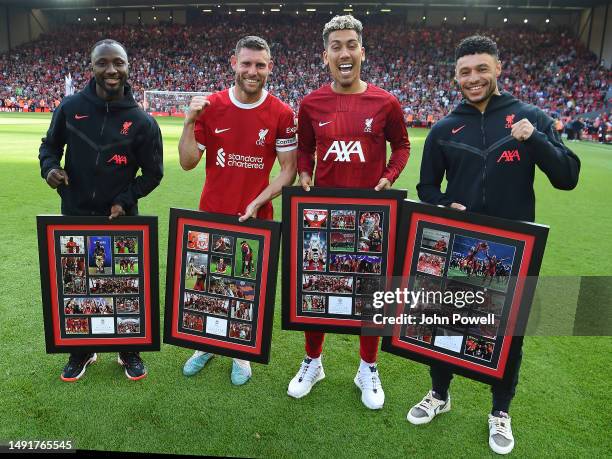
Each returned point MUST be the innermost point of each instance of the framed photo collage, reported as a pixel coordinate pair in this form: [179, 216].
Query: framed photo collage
[221, 283]
[339, 248]
[100, 283]
[487, 266]
[472, 279]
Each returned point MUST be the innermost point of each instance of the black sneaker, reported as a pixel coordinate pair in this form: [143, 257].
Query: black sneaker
[76, 366]
[133, 364]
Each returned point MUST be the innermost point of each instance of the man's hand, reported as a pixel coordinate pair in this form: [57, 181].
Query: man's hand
[56, 177]
[456, 205]
[383, 184]
[305, 181]
[251, 211]
[116, 211]
[522, 130]
[197, 104]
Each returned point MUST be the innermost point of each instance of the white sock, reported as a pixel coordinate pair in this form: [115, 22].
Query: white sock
[363, 365]
[316, 361]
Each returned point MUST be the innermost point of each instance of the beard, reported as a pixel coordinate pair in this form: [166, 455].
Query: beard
[241, 83]
[112, 91]
[492, 84]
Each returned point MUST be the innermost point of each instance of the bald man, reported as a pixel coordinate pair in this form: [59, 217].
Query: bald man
[108, 139]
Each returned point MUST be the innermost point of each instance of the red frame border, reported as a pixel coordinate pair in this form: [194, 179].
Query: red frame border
[528, 240]
[181, 223]
[295, 202]
[57, 338]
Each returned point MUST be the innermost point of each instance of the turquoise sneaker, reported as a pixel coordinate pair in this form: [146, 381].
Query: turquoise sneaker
[196, 362]
[241, 372]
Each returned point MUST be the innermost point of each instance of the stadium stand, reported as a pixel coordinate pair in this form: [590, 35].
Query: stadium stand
[550, 68]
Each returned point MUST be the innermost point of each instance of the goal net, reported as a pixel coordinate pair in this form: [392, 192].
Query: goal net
[168, 103]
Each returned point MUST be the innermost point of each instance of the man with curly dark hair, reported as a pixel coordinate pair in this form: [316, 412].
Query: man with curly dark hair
[488, 147]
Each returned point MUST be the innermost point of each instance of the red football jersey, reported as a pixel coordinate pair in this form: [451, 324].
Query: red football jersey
[241, 141]
[349, 134]
[315, 223]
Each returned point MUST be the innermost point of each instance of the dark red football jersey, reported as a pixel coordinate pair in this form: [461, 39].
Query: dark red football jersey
[348, 135]
[241, 143]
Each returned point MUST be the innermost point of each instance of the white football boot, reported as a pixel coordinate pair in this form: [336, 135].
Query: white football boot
[368, 381]
[310, 373]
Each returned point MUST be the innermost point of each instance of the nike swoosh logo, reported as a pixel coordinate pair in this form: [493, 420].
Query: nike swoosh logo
[80, 117]
[323, 124]
[454, 131]
[219, 131]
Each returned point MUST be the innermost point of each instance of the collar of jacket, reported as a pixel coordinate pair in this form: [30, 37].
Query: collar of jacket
[496, 103]
[126, 102]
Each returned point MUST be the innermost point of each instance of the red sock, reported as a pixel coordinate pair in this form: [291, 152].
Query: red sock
[314, 343]
[368, 348]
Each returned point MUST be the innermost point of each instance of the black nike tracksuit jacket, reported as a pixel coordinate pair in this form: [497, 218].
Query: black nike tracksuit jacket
[487, 170]
[107, 143]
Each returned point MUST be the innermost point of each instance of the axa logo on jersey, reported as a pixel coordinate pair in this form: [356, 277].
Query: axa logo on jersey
[509, 156]
[238, 160]
[344, 149]
[118, 159]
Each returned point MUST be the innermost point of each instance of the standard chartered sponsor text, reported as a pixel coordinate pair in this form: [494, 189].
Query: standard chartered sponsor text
[244, 161]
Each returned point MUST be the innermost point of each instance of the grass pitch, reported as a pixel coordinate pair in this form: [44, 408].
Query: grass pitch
[130, 269]
[560, 408]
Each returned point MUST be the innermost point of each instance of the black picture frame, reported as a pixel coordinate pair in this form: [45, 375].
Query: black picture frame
[357, 201]
[485, 355]
[76, 316]
[206, 306]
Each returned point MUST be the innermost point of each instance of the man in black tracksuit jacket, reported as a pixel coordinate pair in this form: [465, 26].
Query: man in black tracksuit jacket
[488, 148]
[108, 139]
[107, 143]
[488, 171]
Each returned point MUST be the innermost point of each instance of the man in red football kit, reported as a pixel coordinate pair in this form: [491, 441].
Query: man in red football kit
[243, 130]
[348, 124]
[315, 221]
[71, 246]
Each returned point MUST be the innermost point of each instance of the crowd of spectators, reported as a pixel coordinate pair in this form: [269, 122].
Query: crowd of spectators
[549, 68]
[598, 128]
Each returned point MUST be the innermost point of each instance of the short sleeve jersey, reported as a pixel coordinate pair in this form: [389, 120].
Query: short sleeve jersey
[241, 143]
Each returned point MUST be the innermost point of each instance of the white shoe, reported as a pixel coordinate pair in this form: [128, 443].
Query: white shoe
[241, 372]
[501, 440]
[310, 373]
[427, 409]
[196, 362]
[368, 381]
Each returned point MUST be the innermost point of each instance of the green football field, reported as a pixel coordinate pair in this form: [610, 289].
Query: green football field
[561, 408]
[129, 270]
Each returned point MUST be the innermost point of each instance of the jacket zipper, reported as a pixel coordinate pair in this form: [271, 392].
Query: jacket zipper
[93, 196]
[484, 169]
[104, 120]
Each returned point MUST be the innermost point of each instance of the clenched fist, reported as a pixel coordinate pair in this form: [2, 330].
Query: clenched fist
[522, 130]
[197, 104]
